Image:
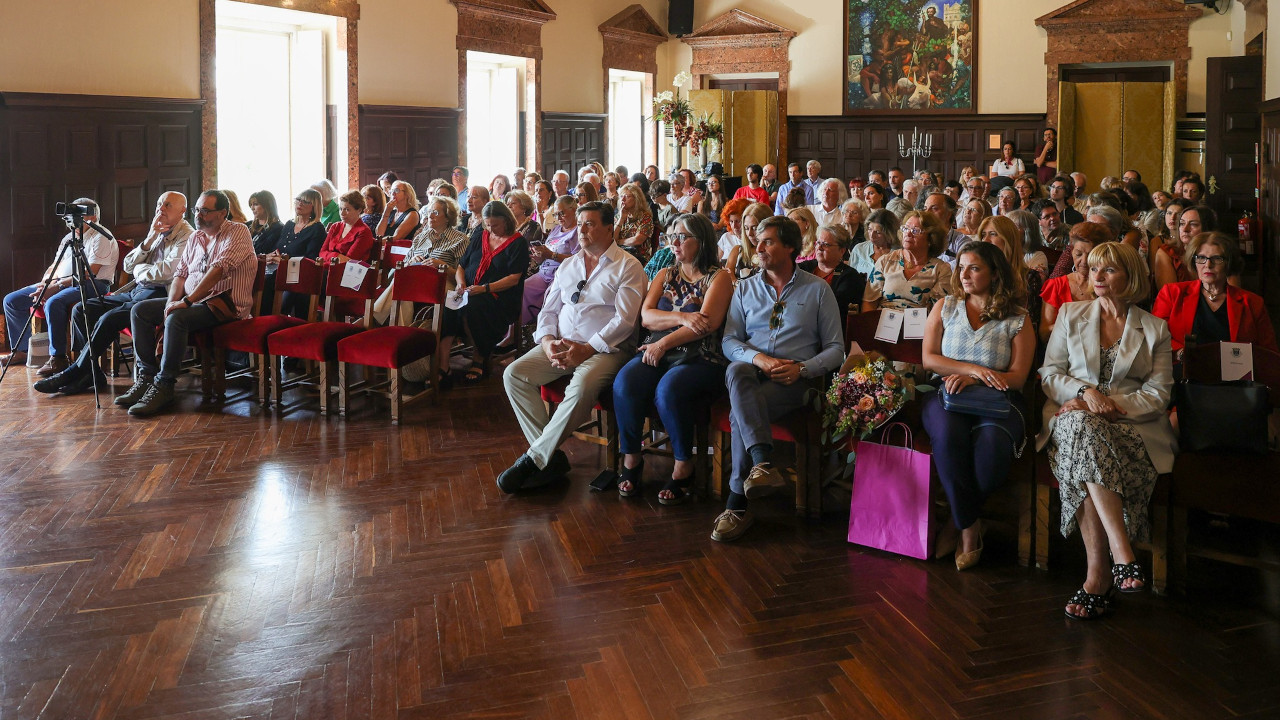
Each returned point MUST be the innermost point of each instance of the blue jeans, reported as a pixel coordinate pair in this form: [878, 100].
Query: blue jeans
[972, 461]
[57, 315]
[678, 394]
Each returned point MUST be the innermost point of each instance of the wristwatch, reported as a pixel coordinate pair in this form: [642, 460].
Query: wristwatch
[186, 301]
[1080, 392]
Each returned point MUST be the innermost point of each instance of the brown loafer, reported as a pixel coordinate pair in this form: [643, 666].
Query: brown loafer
[55, 365]
[14, 358]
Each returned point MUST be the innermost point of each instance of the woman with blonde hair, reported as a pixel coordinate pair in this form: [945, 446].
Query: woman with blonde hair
[633, 229]
[401, 217]
[611, 185]
[743, 263]
[234, 213]
[328, 193]
[803, 217]
[1004, 234]
[522, 207]
[1108, 376]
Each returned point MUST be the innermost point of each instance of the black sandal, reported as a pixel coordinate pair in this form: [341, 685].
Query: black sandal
[678, 489]
[1128, 571]
[632, 477]
[475, 374]
[1095, 606]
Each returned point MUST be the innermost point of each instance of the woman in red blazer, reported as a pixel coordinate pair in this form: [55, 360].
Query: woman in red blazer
[1208, 307]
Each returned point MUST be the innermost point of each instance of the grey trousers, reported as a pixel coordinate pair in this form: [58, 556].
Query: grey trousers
[523, 380]
[754, 403]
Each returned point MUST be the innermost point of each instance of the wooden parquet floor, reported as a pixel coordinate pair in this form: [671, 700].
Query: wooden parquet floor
[226, 562]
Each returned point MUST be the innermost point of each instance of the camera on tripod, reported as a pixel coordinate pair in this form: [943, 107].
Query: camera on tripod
[74, 210]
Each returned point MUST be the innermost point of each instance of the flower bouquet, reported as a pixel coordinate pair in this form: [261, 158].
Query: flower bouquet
[862, 397]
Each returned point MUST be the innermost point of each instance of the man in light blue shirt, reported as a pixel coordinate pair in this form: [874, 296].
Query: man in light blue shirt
[783, 332]
[796, 181]
[813, 178]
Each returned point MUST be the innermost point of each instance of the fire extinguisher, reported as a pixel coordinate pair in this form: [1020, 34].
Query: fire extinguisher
[1248, 230]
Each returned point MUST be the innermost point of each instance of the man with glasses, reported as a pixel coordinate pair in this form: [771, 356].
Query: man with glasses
[783, 333]
[212, 284]
[1062, 190]
[977, 189]
[151, 264]
[1052, 229]
[586, 331]
[1080, 182]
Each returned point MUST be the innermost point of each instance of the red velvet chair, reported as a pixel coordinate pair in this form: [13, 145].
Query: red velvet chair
[318, 341]
[599, 429]
[398, 344]
[250, 335]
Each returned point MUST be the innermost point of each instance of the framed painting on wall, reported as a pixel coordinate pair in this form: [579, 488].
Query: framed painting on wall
[910, 56]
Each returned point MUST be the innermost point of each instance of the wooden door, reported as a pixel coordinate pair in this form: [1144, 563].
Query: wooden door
[1233, 129]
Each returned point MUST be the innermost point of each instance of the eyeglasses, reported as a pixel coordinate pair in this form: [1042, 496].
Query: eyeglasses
[975, 186]
[775, 320]
[912, 232]
[677, 238]
[578, 295]
[825, 246]
[1058, 187]
[302, 200]
[205, 211]
[1208, 259]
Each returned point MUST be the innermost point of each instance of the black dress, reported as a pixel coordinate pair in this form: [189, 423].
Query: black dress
[304, 243]
[848, 284]
[267, 237]
[488, 315]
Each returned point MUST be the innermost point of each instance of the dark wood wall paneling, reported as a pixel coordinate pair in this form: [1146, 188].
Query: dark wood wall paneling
[122, 152]
[571, 140]
[419, 144]
[851, 147]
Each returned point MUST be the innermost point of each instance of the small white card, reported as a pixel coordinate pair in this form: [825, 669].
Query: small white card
[353, 275]
[1237, 361]
[294, 271]
[889, 327]
[455, 300]
[913, 324]
[401, 250]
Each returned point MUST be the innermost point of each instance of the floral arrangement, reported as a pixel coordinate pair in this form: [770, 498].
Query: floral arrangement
[862, 397]
[674, 110]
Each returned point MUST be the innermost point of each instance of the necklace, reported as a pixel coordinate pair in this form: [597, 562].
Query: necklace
[1210, 292]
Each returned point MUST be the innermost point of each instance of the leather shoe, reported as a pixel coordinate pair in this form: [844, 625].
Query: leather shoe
[158, 396]
[763, 479]
[14, 358]
[85, 383]
[56, 364]
[966, 560]
[514, 477]
[557, 467]
[54, 383]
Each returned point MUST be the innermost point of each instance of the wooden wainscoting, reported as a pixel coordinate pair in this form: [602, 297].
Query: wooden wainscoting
[121, 151]
[419, 144]
[571, 140]
[851, 147]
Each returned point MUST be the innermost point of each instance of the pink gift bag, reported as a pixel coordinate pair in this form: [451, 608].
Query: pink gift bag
[890, 509]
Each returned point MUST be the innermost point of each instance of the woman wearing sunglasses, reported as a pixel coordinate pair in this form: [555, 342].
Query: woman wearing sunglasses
[679, 368]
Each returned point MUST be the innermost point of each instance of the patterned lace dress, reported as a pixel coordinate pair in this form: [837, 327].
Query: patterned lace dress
[1088, 448]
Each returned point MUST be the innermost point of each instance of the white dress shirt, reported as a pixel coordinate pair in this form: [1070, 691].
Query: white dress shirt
[154, 266]
[608, 304]
[824, 217]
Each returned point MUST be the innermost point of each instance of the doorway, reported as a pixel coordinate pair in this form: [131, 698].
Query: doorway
[1113, 119]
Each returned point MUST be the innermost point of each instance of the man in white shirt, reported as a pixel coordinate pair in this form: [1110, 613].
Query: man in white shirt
[831, 197]
[151, 264]
[906, 202]
[60, 294]
[560, 182]
[586, 331]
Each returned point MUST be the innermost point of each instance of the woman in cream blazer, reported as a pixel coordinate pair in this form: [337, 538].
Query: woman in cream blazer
[1108, 374]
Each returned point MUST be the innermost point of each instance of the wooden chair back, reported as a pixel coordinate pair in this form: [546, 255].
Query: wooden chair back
[311, 279]
[340, 300]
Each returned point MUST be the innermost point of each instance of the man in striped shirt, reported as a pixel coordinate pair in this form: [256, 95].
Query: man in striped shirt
[212, 284]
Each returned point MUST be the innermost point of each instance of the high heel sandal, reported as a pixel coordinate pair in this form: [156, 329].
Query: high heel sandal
[632, 477]
[1095, 606]
[1128, 571]
[679, 490]
[966, 560]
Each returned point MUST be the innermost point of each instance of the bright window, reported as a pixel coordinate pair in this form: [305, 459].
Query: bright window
[626, 119]
[494, 85]
[272, 82]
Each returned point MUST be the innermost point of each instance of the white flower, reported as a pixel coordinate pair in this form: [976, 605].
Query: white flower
[682, 78]
[666, 96]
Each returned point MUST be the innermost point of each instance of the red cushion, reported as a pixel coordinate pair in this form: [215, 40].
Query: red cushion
[779, 430]
[251, 335]
[311, 341]
[553, 392]
[387, 347]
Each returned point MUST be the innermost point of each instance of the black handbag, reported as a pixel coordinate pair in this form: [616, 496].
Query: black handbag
[1216, 417]
[679, 355]
[979, 400]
